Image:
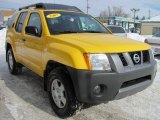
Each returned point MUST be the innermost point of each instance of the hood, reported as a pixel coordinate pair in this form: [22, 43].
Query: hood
[120, 34]
[100, 43]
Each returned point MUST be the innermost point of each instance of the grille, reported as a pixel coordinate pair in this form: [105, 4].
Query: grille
[145, 56]
[134, 58]
[124, 62]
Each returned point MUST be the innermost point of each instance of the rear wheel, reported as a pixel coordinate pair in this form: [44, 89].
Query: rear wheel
[14, 68]
[61, 94]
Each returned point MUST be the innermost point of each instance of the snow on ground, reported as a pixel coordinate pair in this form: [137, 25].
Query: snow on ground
[22, 98]
[2, 39]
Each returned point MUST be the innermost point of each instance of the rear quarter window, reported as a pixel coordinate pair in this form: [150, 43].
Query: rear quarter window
[12, 20]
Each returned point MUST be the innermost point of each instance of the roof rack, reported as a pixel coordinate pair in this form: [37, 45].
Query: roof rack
[51, 6]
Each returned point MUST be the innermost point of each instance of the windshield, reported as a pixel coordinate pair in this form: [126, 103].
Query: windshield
[157, 34]
[69, 22]
[115, 29]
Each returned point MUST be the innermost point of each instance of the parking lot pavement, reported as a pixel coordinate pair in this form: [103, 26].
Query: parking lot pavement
[22, 98]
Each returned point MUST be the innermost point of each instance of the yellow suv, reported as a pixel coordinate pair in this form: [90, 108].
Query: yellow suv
[80, 60]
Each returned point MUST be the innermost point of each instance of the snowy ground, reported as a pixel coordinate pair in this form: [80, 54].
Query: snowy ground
[22, 98]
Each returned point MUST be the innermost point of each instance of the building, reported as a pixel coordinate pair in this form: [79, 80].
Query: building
[150, 26]
[126, 23]
[4, 15]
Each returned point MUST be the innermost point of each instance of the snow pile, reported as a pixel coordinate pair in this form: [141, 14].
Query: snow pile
[2, 40]
[136, 36]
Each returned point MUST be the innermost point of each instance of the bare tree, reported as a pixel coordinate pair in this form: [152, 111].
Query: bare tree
[143, 18]
[114, 11]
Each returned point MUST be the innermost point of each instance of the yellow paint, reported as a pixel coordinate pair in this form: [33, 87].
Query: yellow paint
[54, 15]
[67, 49]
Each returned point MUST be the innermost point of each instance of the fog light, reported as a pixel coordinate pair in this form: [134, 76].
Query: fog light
[97, 89]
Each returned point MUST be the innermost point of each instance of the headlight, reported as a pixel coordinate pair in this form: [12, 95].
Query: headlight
[98, 62]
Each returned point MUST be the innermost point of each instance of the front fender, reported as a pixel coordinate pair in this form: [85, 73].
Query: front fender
[66, 55]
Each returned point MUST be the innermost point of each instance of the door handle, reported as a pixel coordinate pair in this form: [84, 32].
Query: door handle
[23, 40]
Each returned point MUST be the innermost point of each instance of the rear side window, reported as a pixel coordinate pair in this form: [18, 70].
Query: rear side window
[20, 21]
[11, 20]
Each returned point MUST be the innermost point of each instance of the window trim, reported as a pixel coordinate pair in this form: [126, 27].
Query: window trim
[29, 20]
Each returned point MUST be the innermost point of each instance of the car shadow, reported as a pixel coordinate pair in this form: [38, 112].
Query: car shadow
[27, 86]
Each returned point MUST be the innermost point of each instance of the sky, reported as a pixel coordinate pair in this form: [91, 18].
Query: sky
[96, 6]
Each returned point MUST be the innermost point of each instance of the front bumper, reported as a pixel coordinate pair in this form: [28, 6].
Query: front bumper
[118, 84]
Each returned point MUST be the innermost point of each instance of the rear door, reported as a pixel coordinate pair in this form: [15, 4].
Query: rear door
[18, 35]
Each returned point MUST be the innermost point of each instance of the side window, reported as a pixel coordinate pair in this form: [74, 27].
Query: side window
[20, 21]
[35, 21]
[11, 20]
[155, 30]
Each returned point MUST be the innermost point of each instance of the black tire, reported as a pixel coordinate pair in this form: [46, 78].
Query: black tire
[72, 105]
[14, 68]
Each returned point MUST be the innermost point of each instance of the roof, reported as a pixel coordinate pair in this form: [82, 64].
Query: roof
[119, 19]
[124, 19]
[7, 12]
[153, 19]
[47, 6]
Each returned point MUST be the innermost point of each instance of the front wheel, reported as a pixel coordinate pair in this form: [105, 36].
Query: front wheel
[61, 94]
[14, 68]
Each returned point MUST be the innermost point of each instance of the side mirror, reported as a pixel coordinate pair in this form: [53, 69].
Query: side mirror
[31, 30]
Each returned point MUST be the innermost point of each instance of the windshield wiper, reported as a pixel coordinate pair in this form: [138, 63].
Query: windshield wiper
[68, 32]
[65, 32]
[89, 31]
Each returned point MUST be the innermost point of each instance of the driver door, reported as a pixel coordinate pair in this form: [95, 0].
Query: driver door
[33, 45]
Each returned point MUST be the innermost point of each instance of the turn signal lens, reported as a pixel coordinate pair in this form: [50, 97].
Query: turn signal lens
[87, 59]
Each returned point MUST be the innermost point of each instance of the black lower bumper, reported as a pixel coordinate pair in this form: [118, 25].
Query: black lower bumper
[115, 85]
